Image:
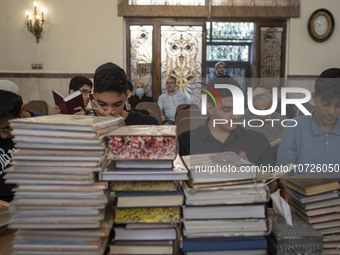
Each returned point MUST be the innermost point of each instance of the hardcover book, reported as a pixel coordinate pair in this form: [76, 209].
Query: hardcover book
[68, 104]
[312, 183]
[226, 228]
[310, 199]
[129, 234]
[234, 194]
[66, 122]
[148, 199]
[225, 212]
[224, 244]
[218, 167]
[143, 143]
[143, 186]
[147, 215]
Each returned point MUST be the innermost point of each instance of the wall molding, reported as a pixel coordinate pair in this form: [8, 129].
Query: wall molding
[301, 76]
[223, 11]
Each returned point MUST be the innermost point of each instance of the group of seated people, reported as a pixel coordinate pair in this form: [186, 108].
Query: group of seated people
[314, 140]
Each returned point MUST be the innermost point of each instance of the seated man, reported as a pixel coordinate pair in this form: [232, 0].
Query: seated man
[169, 101]
[110, 93]
[219, 69]
[225, 137]
[315, 140]
[84, 85]
[262, 100]
[139, 95]
[11, 107]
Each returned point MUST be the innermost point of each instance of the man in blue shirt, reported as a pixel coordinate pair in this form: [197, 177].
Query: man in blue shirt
[314, 143]
[169, 101]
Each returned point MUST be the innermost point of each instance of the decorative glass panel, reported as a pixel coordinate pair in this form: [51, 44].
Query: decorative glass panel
[270, 53]
[181, 56]
[235, 53]
[141, 56]
[230, 31]
[167, 2]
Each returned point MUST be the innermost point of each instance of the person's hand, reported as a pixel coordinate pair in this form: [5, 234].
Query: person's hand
[100, 111]
[55, 110]
[283, 187]
[79, 111]
[163, 118]
[275, 185]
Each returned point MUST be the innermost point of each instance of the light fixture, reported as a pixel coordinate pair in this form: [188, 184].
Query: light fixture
[35, 22]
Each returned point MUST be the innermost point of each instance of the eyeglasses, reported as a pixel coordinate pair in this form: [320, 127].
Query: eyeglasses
[85, 92]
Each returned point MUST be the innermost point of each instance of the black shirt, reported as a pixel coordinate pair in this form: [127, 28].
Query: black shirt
[6, 152]
[137, 118]
[134, 100]
[253, 145]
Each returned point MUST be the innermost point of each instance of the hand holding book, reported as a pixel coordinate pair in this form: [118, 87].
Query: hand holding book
[70, 104]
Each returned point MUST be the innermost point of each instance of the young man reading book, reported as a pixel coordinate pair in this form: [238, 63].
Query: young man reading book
[11, 107]
[208, 138]
[110, 95]
[315, 140]
[84, 86]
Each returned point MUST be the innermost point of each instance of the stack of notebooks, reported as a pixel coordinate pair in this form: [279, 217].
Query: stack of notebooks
[315, 198]
[224, 213]
[148, 201]
[60, 207]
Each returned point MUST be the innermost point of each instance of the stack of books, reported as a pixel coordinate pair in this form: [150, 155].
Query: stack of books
[59, 206]
[148, 200]
[225, 212]
[315, 198]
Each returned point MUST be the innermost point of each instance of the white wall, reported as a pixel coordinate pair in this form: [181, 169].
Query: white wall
[305, 56]
[78, 36]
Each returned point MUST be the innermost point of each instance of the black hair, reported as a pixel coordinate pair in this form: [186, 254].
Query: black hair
[10, 105]
[222, 92]
[174, 78]
[110, 80]
[130, 86]
[78, 81]
[327, 85]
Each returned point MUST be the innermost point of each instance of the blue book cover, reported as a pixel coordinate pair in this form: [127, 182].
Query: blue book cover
[314, 198]
[224, 243]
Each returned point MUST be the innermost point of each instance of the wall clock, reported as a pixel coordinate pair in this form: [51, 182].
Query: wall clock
[321, 25]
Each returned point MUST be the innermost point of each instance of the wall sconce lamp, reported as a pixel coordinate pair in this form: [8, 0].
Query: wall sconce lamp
[35, 22]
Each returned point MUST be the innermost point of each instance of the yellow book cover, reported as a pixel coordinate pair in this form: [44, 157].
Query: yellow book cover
[143, 186]
[147, 215]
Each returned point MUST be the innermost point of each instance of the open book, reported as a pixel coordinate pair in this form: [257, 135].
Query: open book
[68, 103]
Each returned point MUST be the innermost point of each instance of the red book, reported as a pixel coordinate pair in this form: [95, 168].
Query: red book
[143, 143]
[68, 103]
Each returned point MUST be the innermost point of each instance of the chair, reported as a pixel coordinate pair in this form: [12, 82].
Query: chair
[39, 106]
[189, 123]
[181, 107]
[152, 108]
[187, 113]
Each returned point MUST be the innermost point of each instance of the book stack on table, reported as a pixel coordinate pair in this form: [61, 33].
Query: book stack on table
[60, 207]
[144, 181]
[315, 198]
[223, 213]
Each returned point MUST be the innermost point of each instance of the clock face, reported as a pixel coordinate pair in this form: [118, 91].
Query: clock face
[321, 25]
